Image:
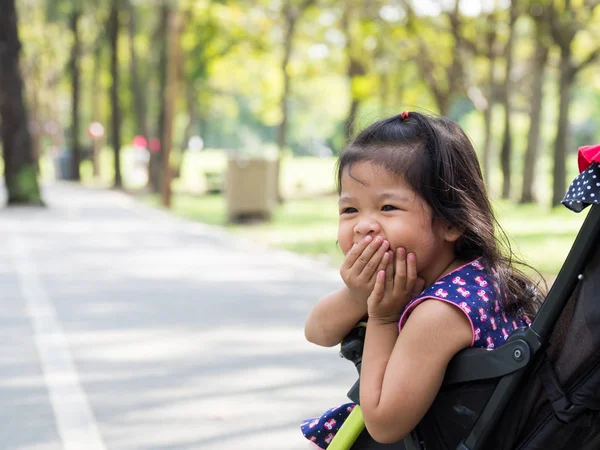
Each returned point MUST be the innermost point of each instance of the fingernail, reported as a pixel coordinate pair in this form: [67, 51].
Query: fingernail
[368, 239]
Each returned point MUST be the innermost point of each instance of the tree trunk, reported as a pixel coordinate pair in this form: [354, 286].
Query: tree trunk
[36, 128]
[174, 28]
[75, 77]
[350, 124]
[443, 104]
[191, 127]
[487, 138]
[156, 166]
[114, 90]
[94, 106]
[290, 20]
[137, 85]
[506, 151]
[533, 137]
[488, 113]
[354, 69]
[20, 171]
[562, 134]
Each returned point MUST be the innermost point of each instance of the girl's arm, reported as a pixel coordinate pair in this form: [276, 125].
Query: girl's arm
[332, 318]
[402, 373]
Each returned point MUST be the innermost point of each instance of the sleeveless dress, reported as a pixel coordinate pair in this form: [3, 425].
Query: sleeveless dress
[474, 289]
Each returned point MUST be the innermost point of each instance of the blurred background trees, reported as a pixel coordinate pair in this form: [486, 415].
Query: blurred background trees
[297, 77]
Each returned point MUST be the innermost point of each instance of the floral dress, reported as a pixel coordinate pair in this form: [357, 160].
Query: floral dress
[475, 290]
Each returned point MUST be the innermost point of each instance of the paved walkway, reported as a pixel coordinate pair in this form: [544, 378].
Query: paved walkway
[123, 327]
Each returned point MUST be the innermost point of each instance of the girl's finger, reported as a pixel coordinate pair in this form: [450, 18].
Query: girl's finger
[375, 263]
[400, 279]
[411, 272]
[389, 278]
[400, 275]
[379, 288]
[366, 254]
[355, 252]
[385, 260]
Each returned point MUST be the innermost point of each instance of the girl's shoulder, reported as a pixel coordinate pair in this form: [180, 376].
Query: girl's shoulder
[474, 288]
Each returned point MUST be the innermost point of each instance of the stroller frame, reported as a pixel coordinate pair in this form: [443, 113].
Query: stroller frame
[522, 351]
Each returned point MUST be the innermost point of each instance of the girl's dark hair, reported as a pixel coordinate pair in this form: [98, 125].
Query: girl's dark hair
[437, 159]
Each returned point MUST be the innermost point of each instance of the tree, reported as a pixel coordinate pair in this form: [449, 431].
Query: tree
[70, 12]
[565, 23]
[291, 13]
[95, 95]
[136, 81]
[542, 49]
[20, 170]
[75, 86]
[156, 157]
[491, 38]
[355, 68]
[445, 80]
[174, 31]
[505, 152]
[113, 31]
[360, 23]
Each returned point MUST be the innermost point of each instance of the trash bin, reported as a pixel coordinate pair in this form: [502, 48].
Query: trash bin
[62, 165]
[251, 188]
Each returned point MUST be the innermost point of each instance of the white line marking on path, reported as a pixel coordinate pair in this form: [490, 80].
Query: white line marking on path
[74, 418]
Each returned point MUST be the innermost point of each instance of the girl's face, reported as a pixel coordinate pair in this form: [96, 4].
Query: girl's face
[376, 202]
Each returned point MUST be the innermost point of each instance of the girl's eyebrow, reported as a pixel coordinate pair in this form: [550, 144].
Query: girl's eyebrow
[393, 196]
[345, 198]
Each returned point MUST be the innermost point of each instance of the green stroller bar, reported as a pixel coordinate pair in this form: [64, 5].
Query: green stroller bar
[349, 431]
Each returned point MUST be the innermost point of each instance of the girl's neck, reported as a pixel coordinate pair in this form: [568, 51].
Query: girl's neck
[446, 266]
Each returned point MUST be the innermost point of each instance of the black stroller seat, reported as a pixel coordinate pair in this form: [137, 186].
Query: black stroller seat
[540, 390]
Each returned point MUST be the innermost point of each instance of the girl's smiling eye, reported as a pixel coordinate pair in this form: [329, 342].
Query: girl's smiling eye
[388, 208]
[349, 210]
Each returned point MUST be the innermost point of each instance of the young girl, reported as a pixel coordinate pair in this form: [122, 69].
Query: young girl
[422, 261]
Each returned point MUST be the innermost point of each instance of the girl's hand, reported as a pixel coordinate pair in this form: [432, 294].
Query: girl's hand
[361, 265]
[393, 291]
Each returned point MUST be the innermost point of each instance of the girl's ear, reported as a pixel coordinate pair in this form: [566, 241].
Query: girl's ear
[447, 231]
[450, 232]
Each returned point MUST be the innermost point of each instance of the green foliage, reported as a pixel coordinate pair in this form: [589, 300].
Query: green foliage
[231, 82]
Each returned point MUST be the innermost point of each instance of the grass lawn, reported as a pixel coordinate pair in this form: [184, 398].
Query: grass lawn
[540, 236]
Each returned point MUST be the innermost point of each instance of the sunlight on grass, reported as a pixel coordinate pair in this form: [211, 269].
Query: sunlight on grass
[542, 237]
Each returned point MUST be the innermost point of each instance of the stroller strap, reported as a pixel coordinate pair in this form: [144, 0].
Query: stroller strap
[564, 409]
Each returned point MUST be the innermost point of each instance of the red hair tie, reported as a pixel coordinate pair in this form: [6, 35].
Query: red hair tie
[404, 115]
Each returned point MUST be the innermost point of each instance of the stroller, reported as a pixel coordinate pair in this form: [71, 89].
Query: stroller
[541, 389]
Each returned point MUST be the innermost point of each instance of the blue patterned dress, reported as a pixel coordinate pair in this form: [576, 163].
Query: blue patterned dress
[474, 289]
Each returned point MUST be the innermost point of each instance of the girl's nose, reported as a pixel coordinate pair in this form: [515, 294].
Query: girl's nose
[366, 226]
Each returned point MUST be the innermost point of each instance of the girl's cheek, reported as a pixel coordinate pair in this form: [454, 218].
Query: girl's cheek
[345, 239]
[345, 246]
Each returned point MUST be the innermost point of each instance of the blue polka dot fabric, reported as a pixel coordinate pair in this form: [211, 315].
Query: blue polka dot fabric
[584, 190]
[473, 288]
[322, 430]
